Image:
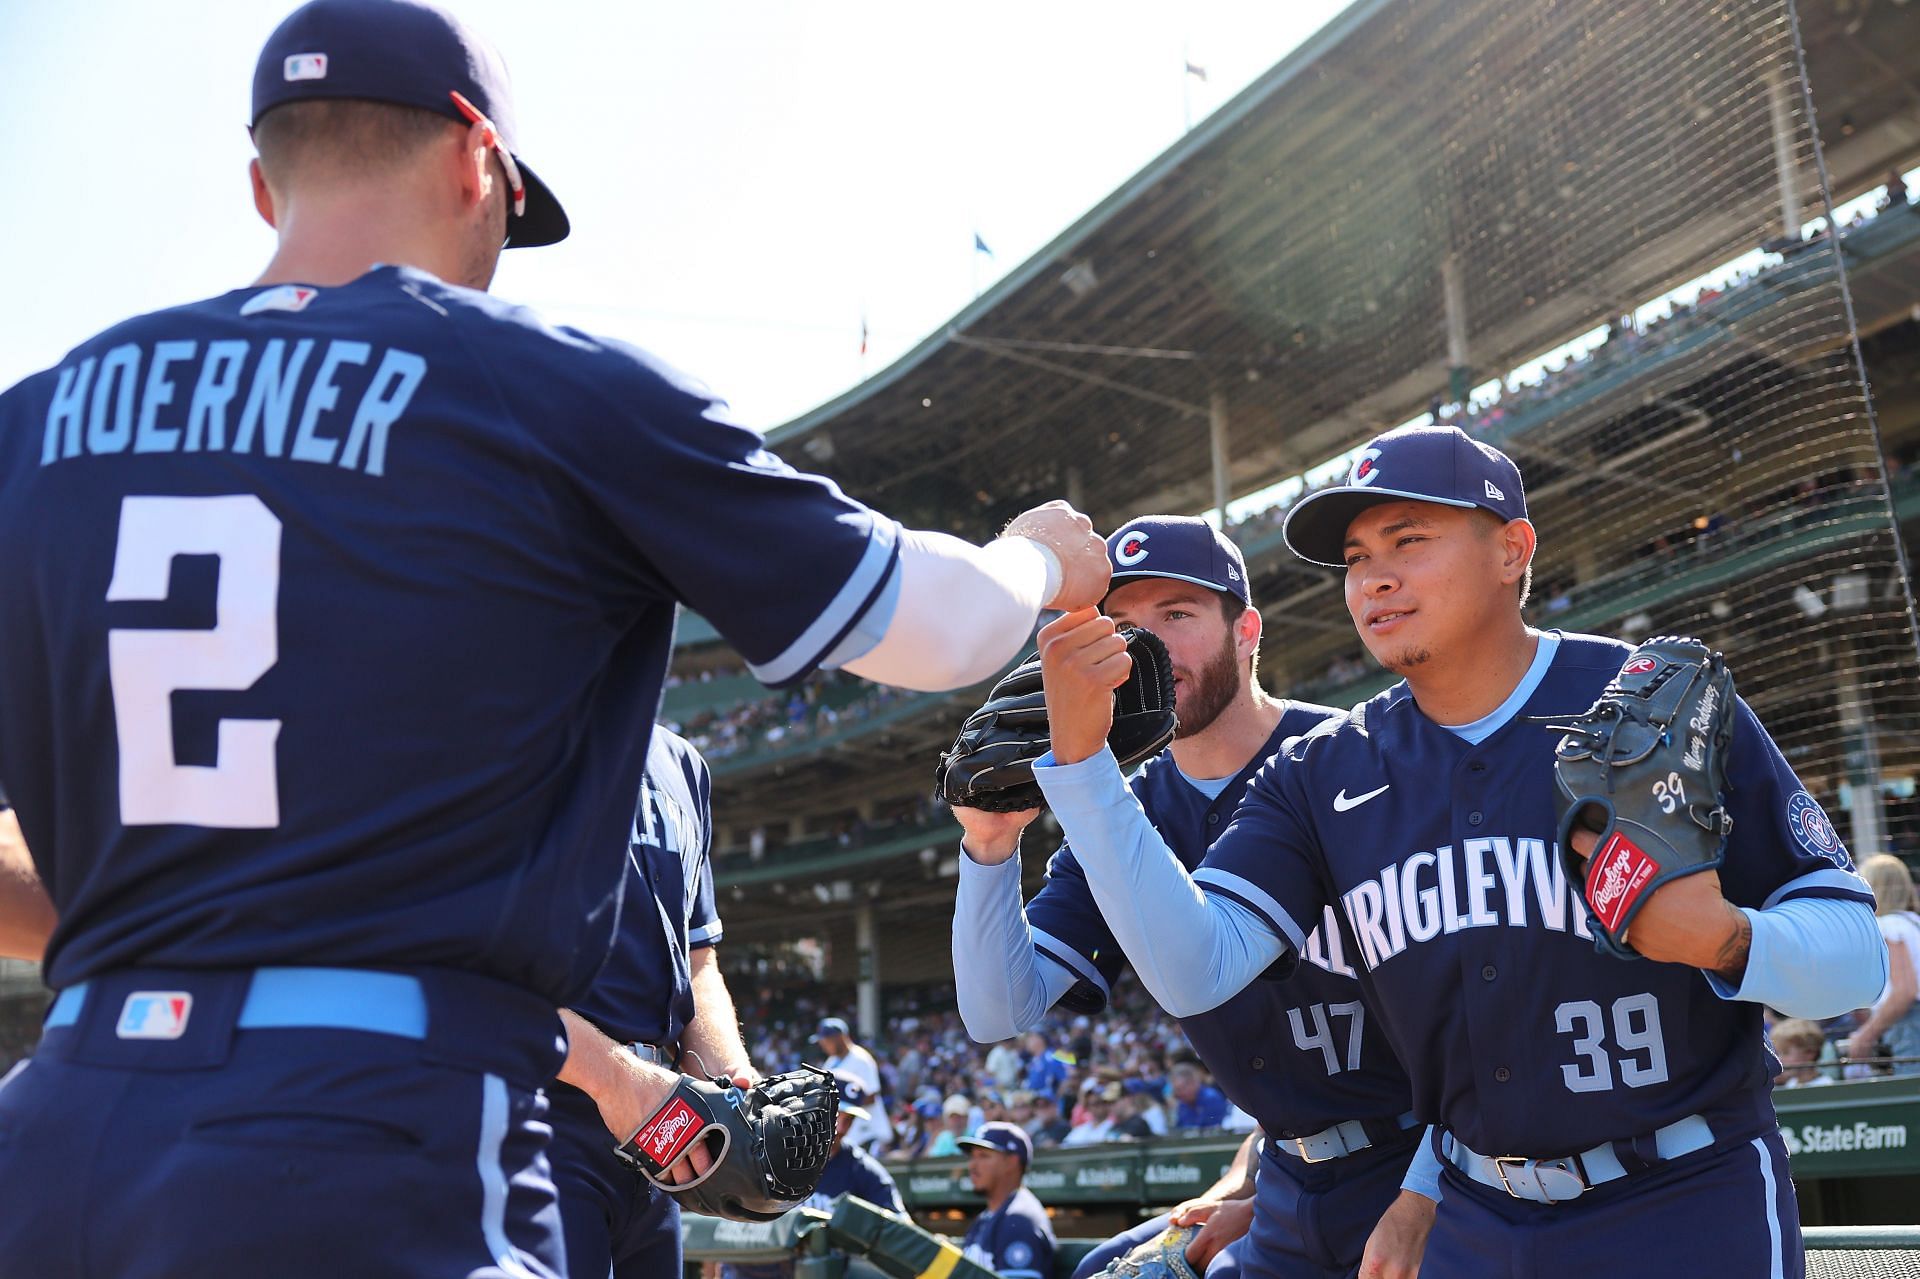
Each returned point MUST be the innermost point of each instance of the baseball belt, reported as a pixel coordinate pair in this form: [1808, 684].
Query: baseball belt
[1553, 1181]
[1348, 1137]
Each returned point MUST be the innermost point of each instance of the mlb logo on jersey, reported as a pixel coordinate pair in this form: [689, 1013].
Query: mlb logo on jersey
[305, 66]
[154, 1014]
[288, 297]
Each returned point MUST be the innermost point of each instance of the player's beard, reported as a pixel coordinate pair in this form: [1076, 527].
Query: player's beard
[1208, 691]
[1406, 659]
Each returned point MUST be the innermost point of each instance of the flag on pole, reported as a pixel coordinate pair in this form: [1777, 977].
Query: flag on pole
[980, 245]
[1198, 72]
[863, 333]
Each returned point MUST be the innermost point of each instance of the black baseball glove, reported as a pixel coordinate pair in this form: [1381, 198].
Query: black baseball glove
[1646, 770]
[769, 1143]
[990, 765]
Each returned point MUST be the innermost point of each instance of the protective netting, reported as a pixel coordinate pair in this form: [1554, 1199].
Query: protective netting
[1861, 1263]
[1592, 232]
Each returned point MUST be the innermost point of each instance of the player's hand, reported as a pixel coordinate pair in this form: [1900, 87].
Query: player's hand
[1084, 569]
[1399, 1239]
[1221, 1223]
[992, 838]
[1687, 921]
[1083, 658]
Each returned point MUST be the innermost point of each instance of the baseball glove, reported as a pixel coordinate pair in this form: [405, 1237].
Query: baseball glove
[990, 764]
[769, 1143]
[1162, 1257]
[1645, 769]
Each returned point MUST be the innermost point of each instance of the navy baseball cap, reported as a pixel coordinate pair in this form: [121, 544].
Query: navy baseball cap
[1420, 463]
[1011, 1139]
[853, 1095]
[1183, 547]
[829, 1026]
[413, 54]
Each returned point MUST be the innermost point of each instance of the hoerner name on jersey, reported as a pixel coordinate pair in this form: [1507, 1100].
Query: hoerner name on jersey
[238, 395]
[1489, 882]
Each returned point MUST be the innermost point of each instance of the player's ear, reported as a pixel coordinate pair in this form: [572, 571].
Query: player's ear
[1517, 542]
[1246, 631]
[473, 165]
[262, 195]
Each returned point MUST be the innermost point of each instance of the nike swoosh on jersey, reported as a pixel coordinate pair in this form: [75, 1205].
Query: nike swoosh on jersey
[1341, 803]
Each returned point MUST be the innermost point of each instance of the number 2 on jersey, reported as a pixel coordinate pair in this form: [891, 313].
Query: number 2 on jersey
[240, 790]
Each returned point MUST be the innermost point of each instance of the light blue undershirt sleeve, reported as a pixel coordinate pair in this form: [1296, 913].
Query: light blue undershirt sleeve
[1813, 957]
[1002, 984]
[1423, 1174]
[1487, 725]
[1193, 951]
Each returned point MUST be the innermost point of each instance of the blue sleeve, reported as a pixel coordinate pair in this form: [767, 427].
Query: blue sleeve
[1192, 950]
[782, 563]
[1783, 845]
[1004, 982]
[1266, 858]
[876, 1186]
[1069, 929]
[703, 918]
[1813, 957]
[1423, 1174]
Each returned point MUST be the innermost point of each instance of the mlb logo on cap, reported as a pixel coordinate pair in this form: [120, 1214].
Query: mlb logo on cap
[305, 66]
[1440, 464]
[154, 1014]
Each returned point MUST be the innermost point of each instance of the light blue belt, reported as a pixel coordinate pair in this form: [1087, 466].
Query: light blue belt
[1552, 1181]
[322, 998]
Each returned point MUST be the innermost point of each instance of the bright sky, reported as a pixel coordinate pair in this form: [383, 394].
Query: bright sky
[745, 180]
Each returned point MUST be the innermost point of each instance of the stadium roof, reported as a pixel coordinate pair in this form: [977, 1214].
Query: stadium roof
[1285, 255]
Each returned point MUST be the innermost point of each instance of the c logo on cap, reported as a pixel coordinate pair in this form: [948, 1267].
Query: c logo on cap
[1364, 471]
[1132, 548]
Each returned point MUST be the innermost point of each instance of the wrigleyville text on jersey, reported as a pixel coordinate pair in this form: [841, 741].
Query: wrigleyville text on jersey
[1487, 882]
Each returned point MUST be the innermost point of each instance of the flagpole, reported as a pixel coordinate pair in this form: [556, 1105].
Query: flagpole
[1186, 88]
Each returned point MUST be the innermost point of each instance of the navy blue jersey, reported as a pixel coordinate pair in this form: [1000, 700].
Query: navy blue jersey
[331, 615]
[645, 992]
[1474, 947]
[1298, 1055]
[1017, 1240]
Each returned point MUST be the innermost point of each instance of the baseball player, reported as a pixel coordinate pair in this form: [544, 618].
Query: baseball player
[835, 1039]
[1301, 1056]
[1012, 1235]
[333, 602]
[661, 998]
[851, 1171]
[1590, 1110]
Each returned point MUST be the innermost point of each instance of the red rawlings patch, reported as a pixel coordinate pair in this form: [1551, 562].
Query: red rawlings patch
[666, 1136]
[1616, 877]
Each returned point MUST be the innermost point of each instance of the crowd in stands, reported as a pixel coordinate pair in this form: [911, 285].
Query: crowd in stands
[1123, 1074]
[813, 709]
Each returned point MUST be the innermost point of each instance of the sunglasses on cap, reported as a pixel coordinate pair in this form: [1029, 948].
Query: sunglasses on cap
[491, 136]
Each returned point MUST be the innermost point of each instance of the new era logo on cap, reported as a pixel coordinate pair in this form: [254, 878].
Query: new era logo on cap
[154, 1014]
[305, 66]
[1495, 493]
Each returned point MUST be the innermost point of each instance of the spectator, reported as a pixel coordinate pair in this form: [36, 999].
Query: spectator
[1797, 1043]
[1046, 1069]
[1201, 1105]
[1003, 1063]
[1896, 1018]
[1012, 1236]
[953, 1120]
[1099, 1100]
[1131, 1121]
[913, 1134]
[834, 1039]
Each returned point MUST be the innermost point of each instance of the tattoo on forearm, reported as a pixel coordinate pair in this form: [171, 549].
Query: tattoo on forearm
[1731, 962]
